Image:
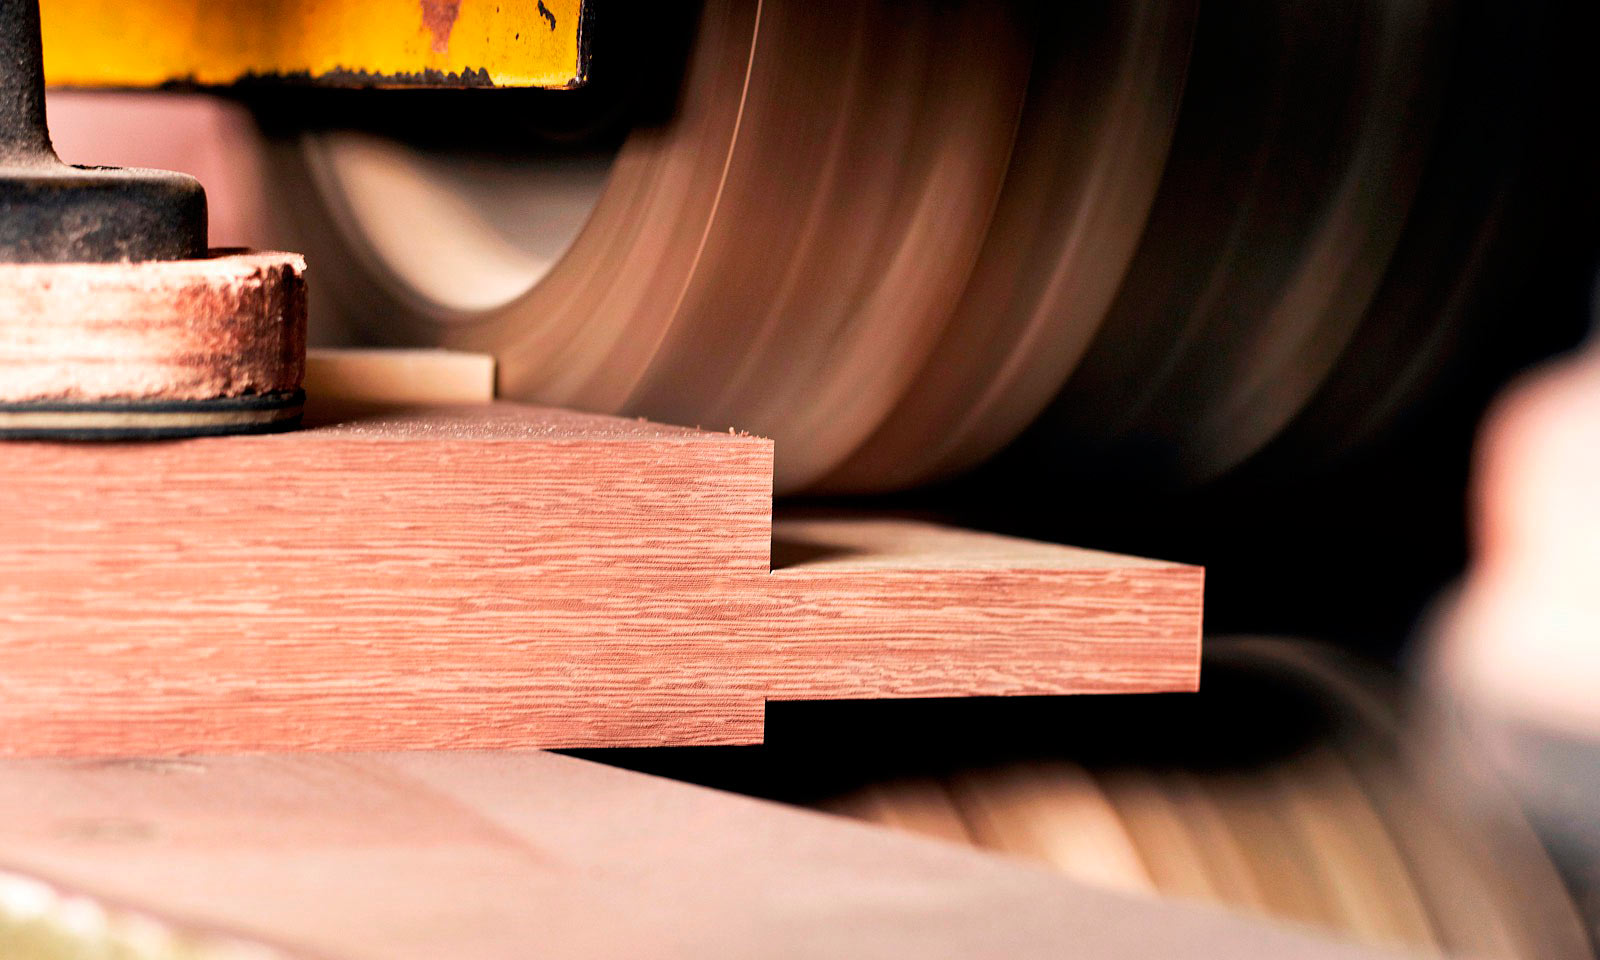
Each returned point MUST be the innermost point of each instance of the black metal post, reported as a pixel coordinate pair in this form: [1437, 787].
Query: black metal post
[23, 133]
[51, 212]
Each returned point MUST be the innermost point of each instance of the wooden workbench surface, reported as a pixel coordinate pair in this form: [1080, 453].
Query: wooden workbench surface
[503, 856]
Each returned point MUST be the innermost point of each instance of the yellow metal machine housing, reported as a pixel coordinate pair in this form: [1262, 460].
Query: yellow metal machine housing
[112, 43]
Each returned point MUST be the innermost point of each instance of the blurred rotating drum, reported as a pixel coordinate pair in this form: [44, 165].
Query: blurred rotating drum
[892, 235]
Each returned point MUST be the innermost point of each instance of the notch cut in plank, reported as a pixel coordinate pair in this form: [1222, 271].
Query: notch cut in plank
[501, 856]
[511, 576]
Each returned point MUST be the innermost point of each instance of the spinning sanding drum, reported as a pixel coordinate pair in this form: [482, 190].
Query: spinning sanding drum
[1355, 811]
[894, 235]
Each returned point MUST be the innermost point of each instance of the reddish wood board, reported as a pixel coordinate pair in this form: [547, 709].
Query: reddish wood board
[510, 855]
[504, 576]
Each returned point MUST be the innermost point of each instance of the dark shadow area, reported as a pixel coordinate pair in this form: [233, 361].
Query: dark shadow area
[1249, 714]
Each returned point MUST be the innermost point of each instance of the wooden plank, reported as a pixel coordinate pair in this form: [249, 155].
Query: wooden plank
[485, 856]
[510, 576]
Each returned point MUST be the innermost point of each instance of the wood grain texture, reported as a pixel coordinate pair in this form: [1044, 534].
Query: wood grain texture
[509, 576]
[495, 856]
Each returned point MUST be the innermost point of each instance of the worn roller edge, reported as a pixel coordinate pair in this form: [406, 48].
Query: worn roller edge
[152, 349]
[152, 420]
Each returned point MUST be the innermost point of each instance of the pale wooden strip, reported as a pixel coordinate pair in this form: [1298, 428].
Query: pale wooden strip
[343, 381]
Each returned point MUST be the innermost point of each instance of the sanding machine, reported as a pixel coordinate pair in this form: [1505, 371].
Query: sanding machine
[1235, 284]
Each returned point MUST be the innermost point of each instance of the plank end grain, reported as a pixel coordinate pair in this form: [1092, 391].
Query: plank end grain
[501, 576]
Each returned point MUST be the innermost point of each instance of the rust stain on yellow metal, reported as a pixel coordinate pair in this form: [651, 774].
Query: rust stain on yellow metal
[144, 43]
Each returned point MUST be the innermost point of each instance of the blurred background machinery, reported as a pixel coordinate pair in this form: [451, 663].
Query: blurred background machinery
[1232, 284]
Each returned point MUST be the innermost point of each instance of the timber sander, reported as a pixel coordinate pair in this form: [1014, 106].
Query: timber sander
[116, 319]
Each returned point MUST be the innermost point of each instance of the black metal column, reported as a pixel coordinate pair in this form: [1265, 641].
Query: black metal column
[52, 212]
